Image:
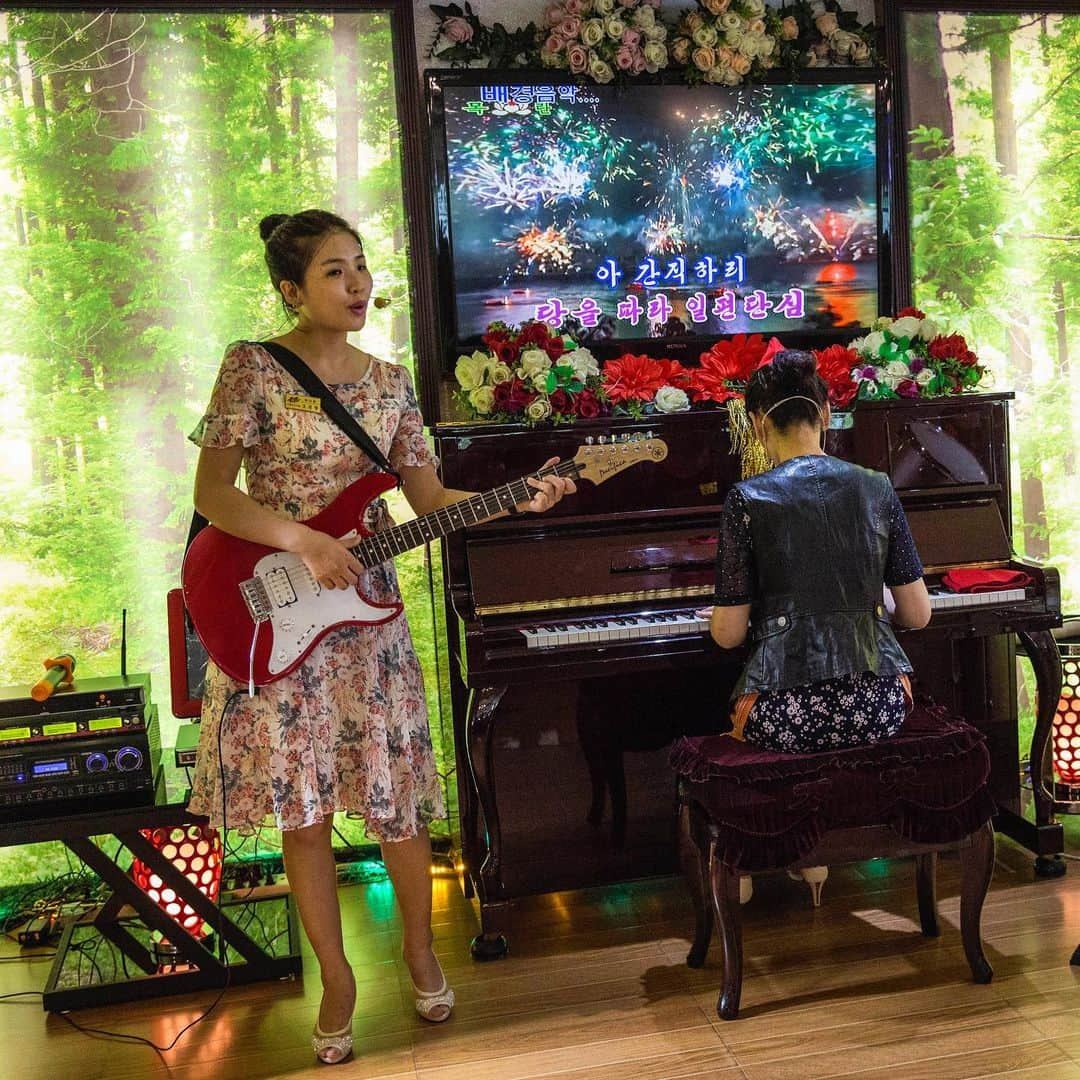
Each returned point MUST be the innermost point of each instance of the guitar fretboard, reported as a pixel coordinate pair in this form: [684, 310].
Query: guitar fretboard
[381, 546]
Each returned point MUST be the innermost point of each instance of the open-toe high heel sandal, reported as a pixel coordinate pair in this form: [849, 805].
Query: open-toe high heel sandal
[434, 1005]
[332, 1047]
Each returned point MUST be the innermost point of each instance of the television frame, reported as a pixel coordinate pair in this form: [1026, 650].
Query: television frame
[685, 348]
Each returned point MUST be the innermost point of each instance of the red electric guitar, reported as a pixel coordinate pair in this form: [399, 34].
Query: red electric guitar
[259, 612]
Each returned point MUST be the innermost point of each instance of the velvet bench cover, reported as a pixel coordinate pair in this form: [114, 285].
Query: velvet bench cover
[746, 810]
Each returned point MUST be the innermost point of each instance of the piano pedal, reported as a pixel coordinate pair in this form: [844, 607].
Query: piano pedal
[487, 947]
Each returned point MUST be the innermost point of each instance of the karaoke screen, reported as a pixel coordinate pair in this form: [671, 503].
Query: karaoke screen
[663, 210]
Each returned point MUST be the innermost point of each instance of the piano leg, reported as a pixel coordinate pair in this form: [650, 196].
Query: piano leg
[491, 943]
[1045, 658]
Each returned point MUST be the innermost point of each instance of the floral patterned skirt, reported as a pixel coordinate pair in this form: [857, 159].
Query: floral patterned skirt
[347, 730]
[855, 710]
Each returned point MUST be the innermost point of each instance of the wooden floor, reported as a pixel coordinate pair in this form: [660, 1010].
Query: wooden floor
[596, 988]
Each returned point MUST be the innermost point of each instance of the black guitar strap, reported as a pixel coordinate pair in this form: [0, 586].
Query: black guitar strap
[331, 406]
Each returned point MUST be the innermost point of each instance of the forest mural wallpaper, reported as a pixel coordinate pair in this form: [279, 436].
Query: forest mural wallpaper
[139, 151]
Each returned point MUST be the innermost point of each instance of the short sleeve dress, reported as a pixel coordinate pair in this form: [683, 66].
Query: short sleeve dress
[347, 729]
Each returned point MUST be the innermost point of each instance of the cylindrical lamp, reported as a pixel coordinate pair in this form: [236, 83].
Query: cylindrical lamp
[1066, 735]
[196, 851]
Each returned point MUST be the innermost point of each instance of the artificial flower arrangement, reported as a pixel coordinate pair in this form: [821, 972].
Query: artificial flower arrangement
[909, 357]
[533, 374]
[530, 375]
[602, 37]
[721, 41]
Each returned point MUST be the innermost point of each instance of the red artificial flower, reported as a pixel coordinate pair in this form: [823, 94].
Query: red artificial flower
[587, 405]
[508, 353]
[561, 403]
[534, 333]
[673, 373]
[952, 347]
[512, 396]
[735, 359]
[705, 384]
[834, 365]
[910, 312]
[775, 345]
[632, 378]
[554, 347]
[496, 334]
[908, 388]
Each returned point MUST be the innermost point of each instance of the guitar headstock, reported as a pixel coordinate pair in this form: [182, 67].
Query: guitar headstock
[600, 460]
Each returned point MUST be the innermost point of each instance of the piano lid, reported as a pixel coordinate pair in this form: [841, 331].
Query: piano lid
[968, 533]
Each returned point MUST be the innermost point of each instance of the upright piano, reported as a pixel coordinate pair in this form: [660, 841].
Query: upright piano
[576, 654]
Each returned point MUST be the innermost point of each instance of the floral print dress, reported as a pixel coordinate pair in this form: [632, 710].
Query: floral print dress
[347, 729]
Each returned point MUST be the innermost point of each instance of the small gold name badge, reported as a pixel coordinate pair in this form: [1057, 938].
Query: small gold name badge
[709, 488]
[302, 403]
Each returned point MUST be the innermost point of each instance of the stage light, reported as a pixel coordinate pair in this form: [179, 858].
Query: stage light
[196, 851]
[1066, 734]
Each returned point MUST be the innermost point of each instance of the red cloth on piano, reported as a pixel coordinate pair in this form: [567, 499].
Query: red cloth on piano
[977, 581]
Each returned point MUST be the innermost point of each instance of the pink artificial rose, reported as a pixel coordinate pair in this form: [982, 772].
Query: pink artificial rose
[631, 37]
[624, 58]
[756, 26]
[741, 63]
[457, 30]
[789, 28]
[638, 65]
[574, 7]
[554, 44]
[578, 57]
[826, 24]
[627, 3]
[570, 27]
[554, 14]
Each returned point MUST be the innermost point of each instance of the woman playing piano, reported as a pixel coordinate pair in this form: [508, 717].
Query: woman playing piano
[804, 552]
[347, 729]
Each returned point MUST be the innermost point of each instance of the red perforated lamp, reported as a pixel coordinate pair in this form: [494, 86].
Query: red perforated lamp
[196, 851]
[1066, 737]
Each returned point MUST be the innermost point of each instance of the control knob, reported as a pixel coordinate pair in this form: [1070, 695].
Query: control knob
[128, 758]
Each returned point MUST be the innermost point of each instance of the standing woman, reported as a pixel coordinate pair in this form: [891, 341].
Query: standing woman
[347, 729]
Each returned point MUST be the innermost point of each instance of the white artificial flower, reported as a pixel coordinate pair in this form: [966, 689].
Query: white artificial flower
[538, 409]
[671, 399]
[907, 327]
[928, 330]
[470, 371]
[896, 371]
[535, 364]
[873, 342]
[924, 376]
[500, 372]
[482, 399]
[583, 362]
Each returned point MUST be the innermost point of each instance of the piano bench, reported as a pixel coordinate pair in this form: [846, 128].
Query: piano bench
[744, 809]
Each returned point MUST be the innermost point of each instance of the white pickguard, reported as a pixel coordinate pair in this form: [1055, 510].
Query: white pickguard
[301, 609]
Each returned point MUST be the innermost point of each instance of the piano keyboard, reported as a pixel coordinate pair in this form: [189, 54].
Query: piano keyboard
[615, 628]
[950, 601]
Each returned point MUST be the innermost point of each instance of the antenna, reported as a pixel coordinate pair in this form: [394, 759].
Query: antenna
[123, 644]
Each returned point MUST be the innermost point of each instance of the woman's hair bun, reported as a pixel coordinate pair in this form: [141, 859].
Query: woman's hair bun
[793, 366]
[270, 223]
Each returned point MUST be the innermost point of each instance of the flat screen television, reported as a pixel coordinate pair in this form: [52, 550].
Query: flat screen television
[659, 218]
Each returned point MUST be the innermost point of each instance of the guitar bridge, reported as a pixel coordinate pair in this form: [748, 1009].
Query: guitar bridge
[257, 599]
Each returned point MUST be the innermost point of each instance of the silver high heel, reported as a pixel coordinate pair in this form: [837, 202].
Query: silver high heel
[332, 1047]
[430, 1002]
[815, 877]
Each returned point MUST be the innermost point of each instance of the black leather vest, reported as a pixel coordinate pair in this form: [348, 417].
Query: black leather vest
[820, 529]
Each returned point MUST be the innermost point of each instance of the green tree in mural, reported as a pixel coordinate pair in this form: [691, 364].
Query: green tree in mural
[138, 153]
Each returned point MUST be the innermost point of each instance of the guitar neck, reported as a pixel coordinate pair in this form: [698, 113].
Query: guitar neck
[385, 545]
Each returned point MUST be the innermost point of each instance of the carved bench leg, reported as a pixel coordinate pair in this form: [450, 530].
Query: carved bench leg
[694, 855]
[725, 896]
[926, 887]
[976, 870]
